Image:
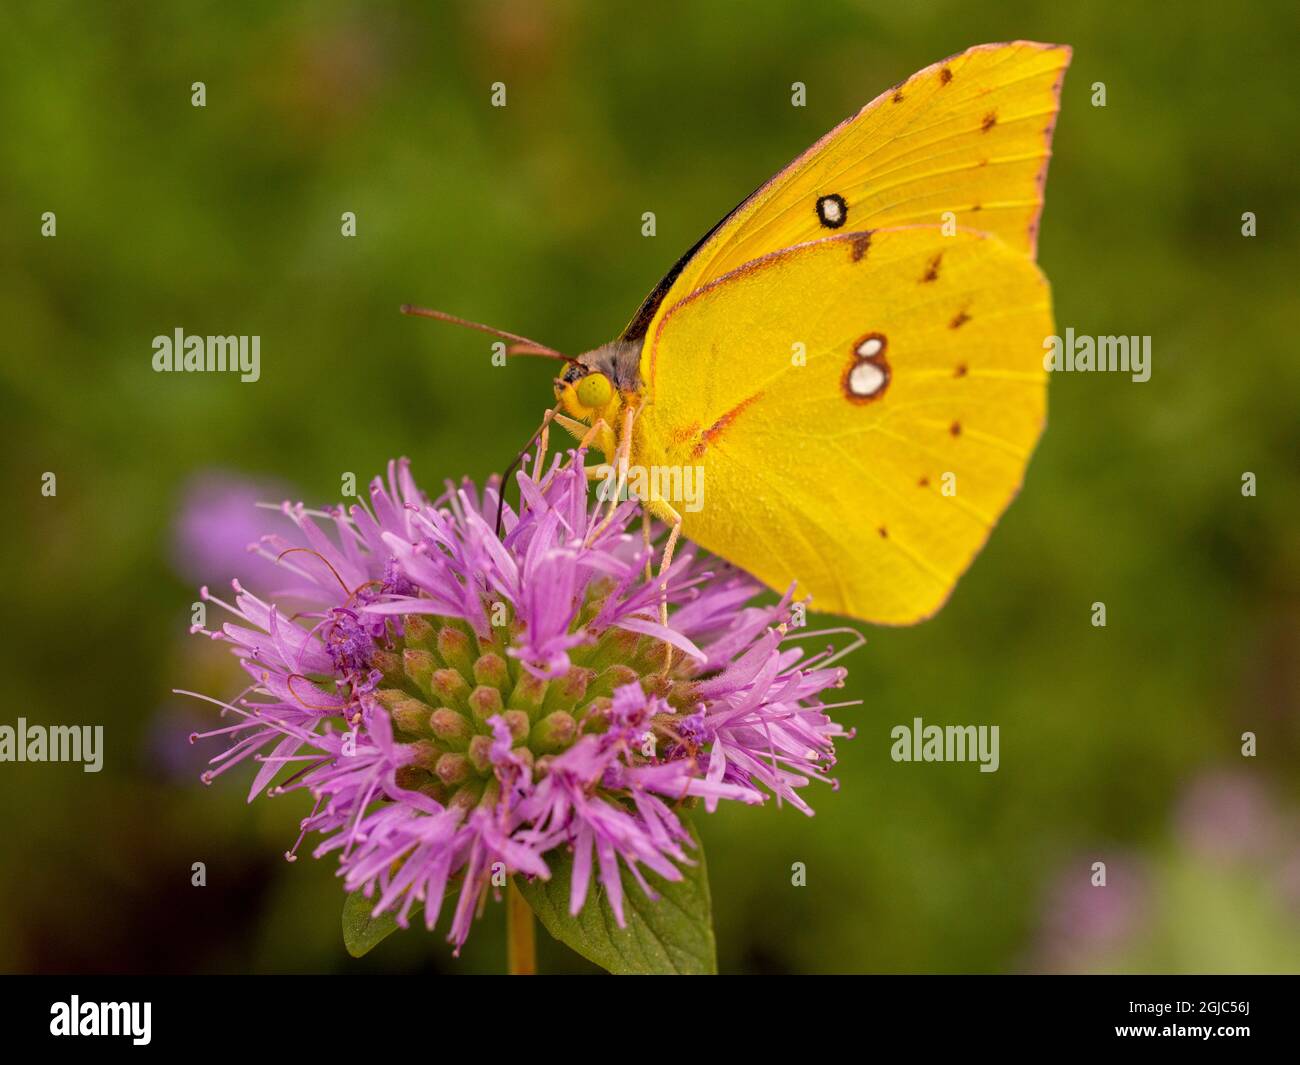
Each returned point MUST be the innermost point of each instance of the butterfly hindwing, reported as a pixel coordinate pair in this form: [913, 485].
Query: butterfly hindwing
[863, 408]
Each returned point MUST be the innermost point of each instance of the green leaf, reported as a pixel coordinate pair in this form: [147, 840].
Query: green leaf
[361, 932]
[671, 935]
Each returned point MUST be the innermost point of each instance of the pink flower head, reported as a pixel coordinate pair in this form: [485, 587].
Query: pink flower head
[460, 705]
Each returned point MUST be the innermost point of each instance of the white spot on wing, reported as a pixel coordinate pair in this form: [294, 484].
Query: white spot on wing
[871, 346]
[866, 379]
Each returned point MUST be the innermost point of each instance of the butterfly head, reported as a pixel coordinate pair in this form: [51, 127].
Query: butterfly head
[599, 383]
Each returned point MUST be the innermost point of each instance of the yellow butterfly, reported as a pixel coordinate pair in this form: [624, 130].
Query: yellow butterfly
[852, 358]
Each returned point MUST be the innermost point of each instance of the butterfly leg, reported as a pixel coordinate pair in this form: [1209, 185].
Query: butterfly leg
[598, 433]
[543, 443]
[585, 434]
[645, 540]
[622, 457]
[669, 516]
[604, 474]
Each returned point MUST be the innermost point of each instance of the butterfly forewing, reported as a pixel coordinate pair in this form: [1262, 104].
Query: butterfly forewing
[964, 142]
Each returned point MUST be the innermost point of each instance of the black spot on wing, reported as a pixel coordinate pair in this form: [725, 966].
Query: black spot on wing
[832, 211]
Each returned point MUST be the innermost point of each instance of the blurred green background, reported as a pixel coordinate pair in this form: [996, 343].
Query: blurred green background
[1118, 744]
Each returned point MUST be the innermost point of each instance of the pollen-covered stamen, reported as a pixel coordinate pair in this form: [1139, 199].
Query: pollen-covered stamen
[348, 642]
[395, 582]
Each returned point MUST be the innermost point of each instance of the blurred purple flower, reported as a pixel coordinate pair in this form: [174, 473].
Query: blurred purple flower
[165, 751]
[1084, 924]
[456, 702]
[1228, 816]
[216, 521]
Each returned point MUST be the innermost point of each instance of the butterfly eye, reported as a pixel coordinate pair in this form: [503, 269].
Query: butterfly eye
[595, 391]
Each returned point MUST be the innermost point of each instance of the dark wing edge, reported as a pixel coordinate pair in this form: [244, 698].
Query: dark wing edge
[636, 329]
[640, 323]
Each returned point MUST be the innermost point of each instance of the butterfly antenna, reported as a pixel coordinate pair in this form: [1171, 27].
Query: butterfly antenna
[519, 346]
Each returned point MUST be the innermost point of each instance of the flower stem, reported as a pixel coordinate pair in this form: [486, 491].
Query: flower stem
[521, 934]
